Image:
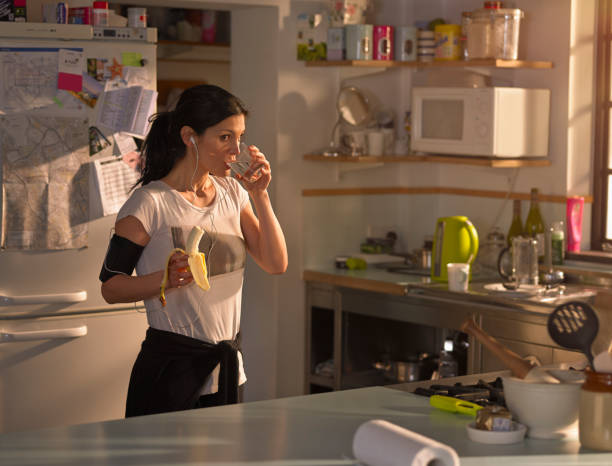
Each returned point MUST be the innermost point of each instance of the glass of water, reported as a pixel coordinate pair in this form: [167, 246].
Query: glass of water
[245, 166]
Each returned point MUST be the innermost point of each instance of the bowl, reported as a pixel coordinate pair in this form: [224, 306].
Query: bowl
[549, 410]
[514, 435]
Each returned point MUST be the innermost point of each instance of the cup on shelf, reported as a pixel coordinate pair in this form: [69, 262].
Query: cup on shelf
[458, 276]
[376, 142]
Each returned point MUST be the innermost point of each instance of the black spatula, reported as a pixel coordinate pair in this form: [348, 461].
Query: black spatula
[574, 325]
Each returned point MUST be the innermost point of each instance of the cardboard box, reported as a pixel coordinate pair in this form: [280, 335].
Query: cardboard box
[312, 36]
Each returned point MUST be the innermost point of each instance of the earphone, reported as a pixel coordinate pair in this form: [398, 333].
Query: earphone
[193, 142]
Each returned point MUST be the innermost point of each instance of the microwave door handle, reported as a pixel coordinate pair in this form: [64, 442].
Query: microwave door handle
[50, 334]
[74, 297]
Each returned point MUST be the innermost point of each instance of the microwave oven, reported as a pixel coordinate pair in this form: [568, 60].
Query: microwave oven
[488, 121]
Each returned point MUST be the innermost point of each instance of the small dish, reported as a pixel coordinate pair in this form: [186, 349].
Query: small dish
[522, 290]
[517, 434]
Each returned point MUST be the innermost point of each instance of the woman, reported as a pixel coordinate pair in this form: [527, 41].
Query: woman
[190, 355]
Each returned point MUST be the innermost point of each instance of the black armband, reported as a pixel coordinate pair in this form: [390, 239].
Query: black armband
[121, 257]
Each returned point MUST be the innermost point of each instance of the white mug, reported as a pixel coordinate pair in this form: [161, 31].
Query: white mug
[458, 276]
[376, 143]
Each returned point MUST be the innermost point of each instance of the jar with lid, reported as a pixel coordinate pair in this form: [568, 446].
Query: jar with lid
[466, 17]
[595, 422]
[100, 13]
[505, 33]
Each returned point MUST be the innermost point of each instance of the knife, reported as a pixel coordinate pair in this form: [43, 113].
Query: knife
[454, 405]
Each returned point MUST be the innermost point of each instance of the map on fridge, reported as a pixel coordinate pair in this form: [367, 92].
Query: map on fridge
[45, 181]
[127, 110]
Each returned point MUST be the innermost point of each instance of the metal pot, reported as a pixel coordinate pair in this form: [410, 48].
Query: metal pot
[415, 368]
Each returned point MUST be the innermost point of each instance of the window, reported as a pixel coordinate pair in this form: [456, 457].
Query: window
[601, 226]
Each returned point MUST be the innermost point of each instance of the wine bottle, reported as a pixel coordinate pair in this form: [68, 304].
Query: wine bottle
[534, 225]
[516, 226]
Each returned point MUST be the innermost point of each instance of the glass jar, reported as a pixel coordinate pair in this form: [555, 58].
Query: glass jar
[505, 33]
[479, 40]
[595, 421]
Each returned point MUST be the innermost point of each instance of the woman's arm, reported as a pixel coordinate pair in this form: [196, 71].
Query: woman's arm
[128, 289]
[263, 234]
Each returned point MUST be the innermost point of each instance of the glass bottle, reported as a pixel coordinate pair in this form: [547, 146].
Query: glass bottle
[516, 226]
[557, 234]
[595, 423]
[534, 225]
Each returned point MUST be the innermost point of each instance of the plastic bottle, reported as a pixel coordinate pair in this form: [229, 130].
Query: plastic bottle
[516, 226]
[534, 225]
[20, 11]
[557, 237]
[100, 13]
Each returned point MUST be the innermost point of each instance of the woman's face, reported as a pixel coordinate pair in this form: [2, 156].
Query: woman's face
[219, 144]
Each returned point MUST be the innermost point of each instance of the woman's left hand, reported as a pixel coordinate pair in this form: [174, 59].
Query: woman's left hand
[265, 174]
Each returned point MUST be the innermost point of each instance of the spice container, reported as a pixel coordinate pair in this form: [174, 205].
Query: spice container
[20, 11]
[447, 38]
[100, 13]
[595, 422]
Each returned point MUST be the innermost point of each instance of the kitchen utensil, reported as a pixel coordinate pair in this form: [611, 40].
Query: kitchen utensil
[524, 252]
[455, 240]
[354, 110]
[574, 325]
[603, 361]
[514, 435]
[548, 410]
[519, 366]
[454, 405]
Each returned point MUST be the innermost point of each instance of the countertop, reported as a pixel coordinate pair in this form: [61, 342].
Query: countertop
[297, 431]
[418, 286]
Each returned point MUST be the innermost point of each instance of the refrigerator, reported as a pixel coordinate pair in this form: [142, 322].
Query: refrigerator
[65, 354]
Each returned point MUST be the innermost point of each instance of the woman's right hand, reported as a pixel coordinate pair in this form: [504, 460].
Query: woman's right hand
[178, 271]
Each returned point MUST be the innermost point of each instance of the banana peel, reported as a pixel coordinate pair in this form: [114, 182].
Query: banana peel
[196, 260]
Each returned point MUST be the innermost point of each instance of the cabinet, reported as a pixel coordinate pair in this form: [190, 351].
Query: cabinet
[357, 327]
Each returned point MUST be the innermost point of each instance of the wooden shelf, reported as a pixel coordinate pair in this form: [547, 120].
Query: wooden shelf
[493, 63]
[434, 158]
[420, 190]
[191, 43]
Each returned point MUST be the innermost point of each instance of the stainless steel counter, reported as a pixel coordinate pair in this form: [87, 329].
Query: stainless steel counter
[298, 431]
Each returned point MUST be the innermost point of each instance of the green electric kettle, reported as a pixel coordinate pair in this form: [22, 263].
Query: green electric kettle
[455, 240]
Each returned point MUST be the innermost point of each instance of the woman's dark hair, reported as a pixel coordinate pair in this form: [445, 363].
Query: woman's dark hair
[199, 107]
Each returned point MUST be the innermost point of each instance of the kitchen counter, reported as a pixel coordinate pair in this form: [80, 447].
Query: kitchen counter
[298, 431]
[418, 286]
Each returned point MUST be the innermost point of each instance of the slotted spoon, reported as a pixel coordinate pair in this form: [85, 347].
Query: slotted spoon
[574, 325]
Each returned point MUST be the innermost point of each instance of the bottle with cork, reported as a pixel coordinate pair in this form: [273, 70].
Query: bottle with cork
[516, 226]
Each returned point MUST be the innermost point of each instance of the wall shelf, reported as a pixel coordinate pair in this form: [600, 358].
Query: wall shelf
[493, 63]
[434, 158]
[419, 190]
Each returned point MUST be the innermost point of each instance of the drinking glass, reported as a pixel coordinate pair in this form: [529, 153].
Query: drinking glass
[524, 260]
[245, 166]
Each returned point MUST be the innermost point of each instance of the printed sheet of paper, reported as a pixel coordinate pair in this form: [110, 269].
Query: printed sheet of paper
[127, 110]
[115, 178]
[45, 182]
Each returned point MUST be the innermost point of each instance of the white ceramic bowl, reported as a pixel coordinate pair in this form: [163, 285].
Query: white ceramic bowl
[549, 410]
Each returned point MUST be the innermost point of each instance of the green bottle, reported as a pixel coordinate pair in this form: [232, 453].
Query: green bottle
[516, 227]
[534, 225]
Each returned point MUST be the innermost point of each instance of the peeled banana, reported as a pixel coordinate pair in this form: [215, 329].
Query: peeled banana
[196, 260]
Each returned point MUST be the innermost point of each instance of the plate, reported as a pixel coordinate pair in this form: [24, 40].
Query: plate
[490, 436]
[522, 290]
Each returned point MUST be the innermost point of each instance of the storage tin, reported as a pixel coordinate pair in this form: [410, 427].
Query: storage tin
[359, 41]
[383, 43]
[406, 43]
[447, 37]
[335, 44]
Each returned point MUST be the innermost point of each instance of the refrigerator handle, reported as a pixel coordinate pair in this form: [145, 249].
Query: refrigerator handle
[75, 297]
[50, 334]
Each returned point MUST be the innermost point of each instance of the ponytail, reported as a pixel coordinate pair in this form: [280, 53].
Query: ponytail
[161, 148]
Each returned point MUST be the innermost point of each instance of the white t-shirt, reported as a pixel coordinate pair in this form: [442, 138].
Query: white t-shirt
[212, 315]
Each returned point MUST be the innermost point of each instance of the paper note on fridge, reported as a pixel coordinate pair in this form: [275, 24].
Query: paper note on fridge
[115, 179]
[127, 110]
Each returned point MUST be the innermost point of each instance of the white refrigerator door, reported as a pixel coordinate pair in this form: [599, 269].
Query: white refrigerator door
[58, 371]
[74, 270]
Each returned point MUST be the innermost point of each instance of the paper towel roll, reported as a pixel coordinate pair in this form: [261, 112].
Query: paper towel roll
[380, 443]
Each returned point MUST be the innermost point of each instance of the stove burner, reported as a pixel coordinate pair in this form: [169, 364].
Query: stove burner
[482, 393]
